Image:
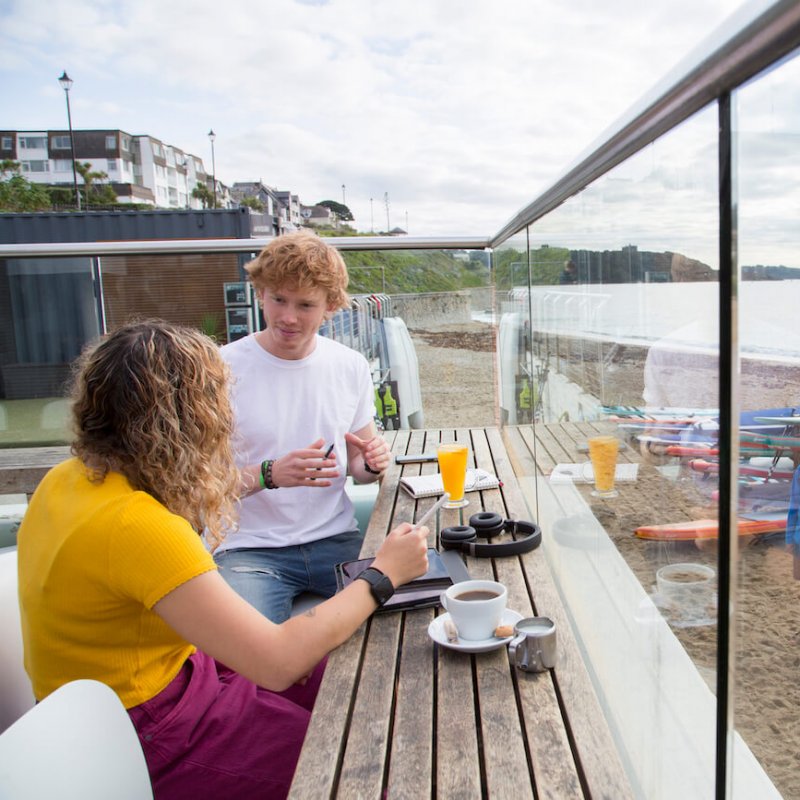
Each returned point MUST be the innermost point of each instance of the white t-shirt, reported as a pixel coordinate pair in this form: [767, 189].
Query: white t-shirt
[282, 405]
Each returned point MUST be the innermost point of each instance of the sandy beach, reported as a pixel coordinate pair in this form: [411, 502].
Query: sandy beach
[767, 638]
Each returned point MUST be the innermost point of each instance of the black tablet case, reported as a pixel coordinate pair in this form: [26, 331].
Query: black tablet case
[444, 569]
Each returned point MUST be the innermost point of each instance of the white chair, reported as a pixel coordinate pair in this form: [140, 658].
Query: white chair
[16, 695]
[77, 744]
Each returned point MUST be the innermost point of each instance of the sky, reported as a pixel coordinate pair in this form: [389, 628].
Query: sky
[460, 111]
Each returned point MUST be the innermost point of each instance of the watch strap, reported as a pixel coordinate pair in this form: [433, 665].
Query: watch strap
[380, 586]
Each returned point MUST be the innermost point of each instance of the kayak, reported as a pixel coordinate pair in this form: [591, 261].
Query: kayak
[701, 465]
[707, 529]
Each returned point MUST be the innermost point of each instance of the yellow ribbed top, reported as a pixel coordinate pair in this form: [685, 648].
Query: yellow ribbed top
[93, 561]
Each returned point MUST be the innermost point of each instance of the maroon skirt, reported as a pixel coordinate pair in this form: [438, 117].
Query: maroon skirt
[214, 734]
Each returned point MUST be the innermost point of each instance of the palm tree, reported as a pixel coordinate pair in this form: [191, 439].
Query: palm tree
[89, 177]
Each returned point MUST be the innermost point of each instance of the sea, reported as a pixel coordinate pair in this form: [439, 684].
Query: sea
[683, 314]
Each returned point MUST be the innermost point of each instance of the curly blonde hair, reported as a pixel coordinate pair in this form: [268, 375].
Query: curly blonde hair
[150, 401]
[301, 260]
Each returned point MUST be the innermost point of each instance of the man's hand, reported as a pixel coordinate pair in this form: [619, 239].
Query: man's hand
[374, 451]
[307, 467]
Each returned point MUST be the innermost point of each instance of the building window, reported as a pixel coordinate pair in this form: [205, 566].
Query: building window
[60, 142]
[35, 166]
[62, 165]
[126, 143]
[7, 143]
[157, 151]
[111, 142]
[111, 165]
[33, 142]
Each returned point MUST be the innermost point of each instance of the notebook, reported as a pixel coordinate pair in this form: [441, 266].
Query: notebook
[431, 485]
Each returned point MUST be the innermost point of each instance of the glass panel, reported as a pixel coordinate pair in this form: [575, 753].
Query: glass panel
[767, 156]
[48, 314]
[623, 304]
[188, 290]
[423, 319]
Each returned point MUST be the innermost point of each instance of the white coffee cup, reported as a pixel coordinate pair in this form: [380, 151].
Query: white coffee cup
[476, 607]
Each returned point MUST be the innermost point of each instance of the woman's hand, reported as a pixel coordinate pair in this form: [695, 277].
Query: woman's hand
[403, 555]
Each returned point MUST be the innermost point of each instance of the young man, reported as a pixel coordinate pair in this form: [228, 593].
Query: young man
[295, 395]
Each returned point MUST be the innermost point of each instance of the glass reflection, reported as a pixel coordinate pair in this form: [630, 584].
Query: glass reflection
[623, 309]
[768, 178]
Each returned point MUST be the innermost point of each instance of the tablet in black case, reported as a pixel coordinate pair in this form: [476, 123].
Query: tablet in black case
[444, 569]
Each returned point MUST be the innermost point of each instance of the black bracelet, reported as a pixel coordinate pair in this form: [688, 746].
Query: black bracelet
[266, 474]
[369, 469]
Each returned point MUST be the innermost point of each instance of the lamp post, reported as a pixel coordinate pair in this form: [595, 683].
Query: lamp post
[212, 136]
[344, 202]
[66, 85]
[371, 218]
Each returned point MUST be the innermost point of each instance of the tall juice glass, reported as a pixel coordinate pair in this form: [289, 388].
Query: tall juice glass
[453, 466]
[603, 454]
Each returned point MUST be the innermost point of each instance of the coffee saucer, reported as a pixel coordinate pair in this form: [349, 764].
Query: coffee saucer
[437, 632]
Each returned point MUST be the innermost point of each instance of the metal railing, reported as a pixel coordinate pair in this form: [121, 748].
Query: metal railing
[185, 246]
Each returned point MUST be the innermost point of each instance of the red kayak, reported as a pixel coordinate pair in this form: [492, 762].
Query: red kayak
[700, 465]
[707, 529]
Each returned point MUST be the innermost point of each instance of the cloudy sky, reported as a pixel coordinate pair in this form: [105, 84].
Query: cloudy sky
[462, 111]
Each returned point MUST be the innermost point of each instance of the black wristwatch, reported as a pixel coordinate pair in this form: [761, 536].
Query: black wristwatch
[380, 586]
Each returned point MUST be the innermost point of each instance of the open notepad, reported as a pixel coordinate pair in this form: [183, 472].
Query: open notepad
[431, 485]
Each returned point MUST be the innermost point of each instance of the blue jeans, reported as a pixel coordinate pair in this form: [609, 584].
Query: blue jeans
[269, 578]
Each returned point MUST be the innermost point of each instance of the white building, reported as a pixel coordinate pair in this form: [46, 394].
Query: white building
[140, 168]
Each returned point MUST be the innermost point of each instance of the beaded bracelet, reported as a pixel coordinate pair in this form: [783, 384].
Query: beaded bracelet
[369, 469]
[266, 474]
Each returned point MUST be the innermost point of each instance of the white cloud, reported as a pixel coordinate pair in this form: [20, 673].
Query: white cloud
[462, 110]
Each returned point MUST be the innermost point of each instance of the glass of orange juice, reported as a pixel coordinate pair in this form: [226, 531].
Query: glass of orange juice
[603, 454]
[453, 466]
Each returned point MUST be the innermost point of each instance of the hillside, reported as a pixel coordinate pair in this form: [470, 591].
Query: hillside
[413, 271]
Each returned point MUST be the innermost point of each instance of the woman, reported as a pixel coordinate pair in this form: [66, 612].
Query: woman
[117, 585]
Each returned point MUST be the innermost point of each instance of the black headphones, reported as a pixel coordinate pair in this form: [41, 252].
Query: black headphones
[487, 524]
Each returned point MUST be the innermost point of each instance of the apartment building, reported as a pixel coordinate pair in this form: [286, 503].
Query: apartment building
[281, 208]
[140, 168]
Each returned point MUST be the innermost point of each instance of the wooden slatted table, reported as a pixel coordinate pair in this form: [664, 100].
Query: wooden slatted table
[398, 716]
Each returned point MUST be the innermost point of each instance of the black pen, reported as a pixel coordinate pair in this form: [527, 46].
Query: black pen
[327, 453]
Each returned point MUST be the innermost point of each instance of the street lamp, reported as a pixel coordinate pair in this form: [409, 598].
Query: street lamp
[371, 218]
[66, 85]
[212, 136]
[344, 202]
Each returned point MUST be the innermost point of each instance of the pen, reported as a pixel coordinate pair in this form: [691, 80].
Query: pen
[432, 510]
[327, 453]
